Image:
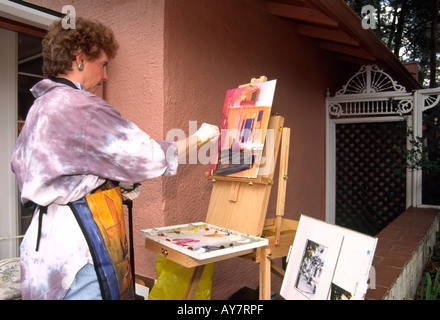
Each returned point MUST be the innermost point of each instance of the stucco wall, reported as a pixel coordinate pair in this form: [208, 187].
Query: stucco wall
[176, 62]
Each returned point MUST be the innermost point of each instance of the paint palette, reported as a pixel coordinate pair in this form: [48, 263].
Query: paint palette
[202, 240]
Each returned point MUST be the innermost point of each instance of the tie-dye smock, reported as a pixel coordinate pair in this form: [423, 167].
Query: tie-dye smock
[71, 143]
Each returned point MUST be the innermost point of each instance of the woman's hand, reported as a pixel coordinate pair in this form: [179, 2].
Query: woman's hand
[207, 132]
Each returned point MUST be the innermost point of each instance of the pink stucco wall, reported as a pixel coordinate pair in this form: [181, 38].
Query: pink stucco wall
[176, 61]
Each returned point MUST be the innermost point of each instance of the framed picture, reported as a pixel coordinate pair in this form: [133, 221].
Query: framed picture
[312, 261]
[328, 262]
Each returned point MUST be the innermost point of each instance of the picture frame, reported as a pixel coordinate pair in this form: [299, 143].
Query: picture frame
[312, 261]
[346, 269]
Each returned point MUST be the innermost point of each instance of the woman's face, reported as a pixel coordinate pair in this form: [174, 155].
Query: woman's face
[95, 72]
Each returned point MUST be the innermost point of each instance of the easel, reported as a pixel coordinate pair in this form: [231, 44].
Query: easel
[240, 204]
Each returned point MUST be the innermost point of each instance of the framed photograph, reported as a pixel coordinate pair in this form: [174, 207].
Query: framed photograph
[312, 261]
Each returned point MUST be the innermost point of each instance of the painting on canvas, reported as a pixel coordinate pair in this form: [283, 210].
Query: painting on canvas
[245, 118]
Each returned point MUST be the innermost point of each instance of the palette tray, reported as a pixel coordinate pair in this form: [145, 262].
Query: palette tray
[202, 240]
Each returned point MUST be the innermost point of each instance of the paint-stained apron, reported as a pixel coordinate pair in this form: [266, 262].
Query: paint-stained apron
[101, 218]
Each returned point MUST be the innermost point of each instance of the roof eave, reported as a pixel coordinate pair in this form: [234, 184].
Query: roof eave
[351, 24]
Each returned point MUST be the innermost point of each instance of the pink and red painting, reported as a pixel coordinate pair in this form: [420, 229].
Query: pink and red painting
[245, 118]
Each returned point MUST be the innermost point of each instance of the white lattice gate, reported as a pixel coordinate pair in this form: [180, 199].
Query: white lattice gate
[367, 183]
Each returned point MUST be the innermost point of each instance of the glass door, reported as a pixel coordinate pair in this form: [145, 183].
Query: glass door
[30, 63]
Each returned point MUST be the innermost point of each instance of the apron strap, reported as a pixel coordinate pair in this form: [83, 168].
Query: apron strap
[43, 210]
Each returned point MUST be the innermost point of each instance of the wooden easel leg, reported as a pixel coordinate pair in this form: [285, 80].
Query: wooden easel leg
[194, 283]
[265, 283]
[282, 181]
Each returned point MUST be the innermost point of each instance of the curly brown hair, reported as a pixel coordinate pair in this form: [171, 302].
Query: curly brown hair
[60, 45]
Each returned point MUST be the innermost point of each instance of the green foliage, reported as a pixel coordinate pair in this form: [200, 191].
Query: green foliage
[435, 254]
[405, 27]
[431, 292]
[418, 155]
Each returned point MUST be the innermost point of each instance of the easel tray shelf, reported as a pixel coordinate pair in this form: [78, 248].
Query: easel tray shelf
[203, 241]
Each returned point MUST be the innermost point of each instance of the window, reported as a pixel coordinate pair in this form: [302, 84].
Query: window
[22, 25]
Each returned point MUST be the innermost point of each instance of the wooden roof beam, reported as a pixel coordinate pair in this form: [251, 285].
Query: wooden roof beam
[338, 36]
[354, 60]
[302, 14]
[348, 50]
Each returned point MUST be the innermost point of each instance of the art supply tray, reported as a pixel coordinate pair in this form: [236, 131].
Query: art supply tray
[203, 241]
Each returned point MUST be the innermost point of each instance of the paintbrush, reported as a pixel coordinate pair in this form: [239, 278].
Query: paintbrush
[203, 142]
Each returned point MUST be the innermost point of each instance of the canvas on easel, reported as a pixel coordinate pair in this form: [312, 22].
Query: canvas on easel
[245, 118]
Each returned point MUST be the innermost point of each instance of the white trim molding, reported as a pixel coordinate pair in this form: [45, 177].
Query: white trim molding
[370, 95]
[30, 15]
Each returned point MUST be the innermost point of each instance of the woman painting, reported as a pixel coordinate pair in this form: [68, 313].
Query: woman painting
[71, 154]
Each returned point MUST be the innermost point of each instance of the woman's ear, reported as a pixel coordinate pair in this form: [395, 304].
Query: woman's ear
[80, 58]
